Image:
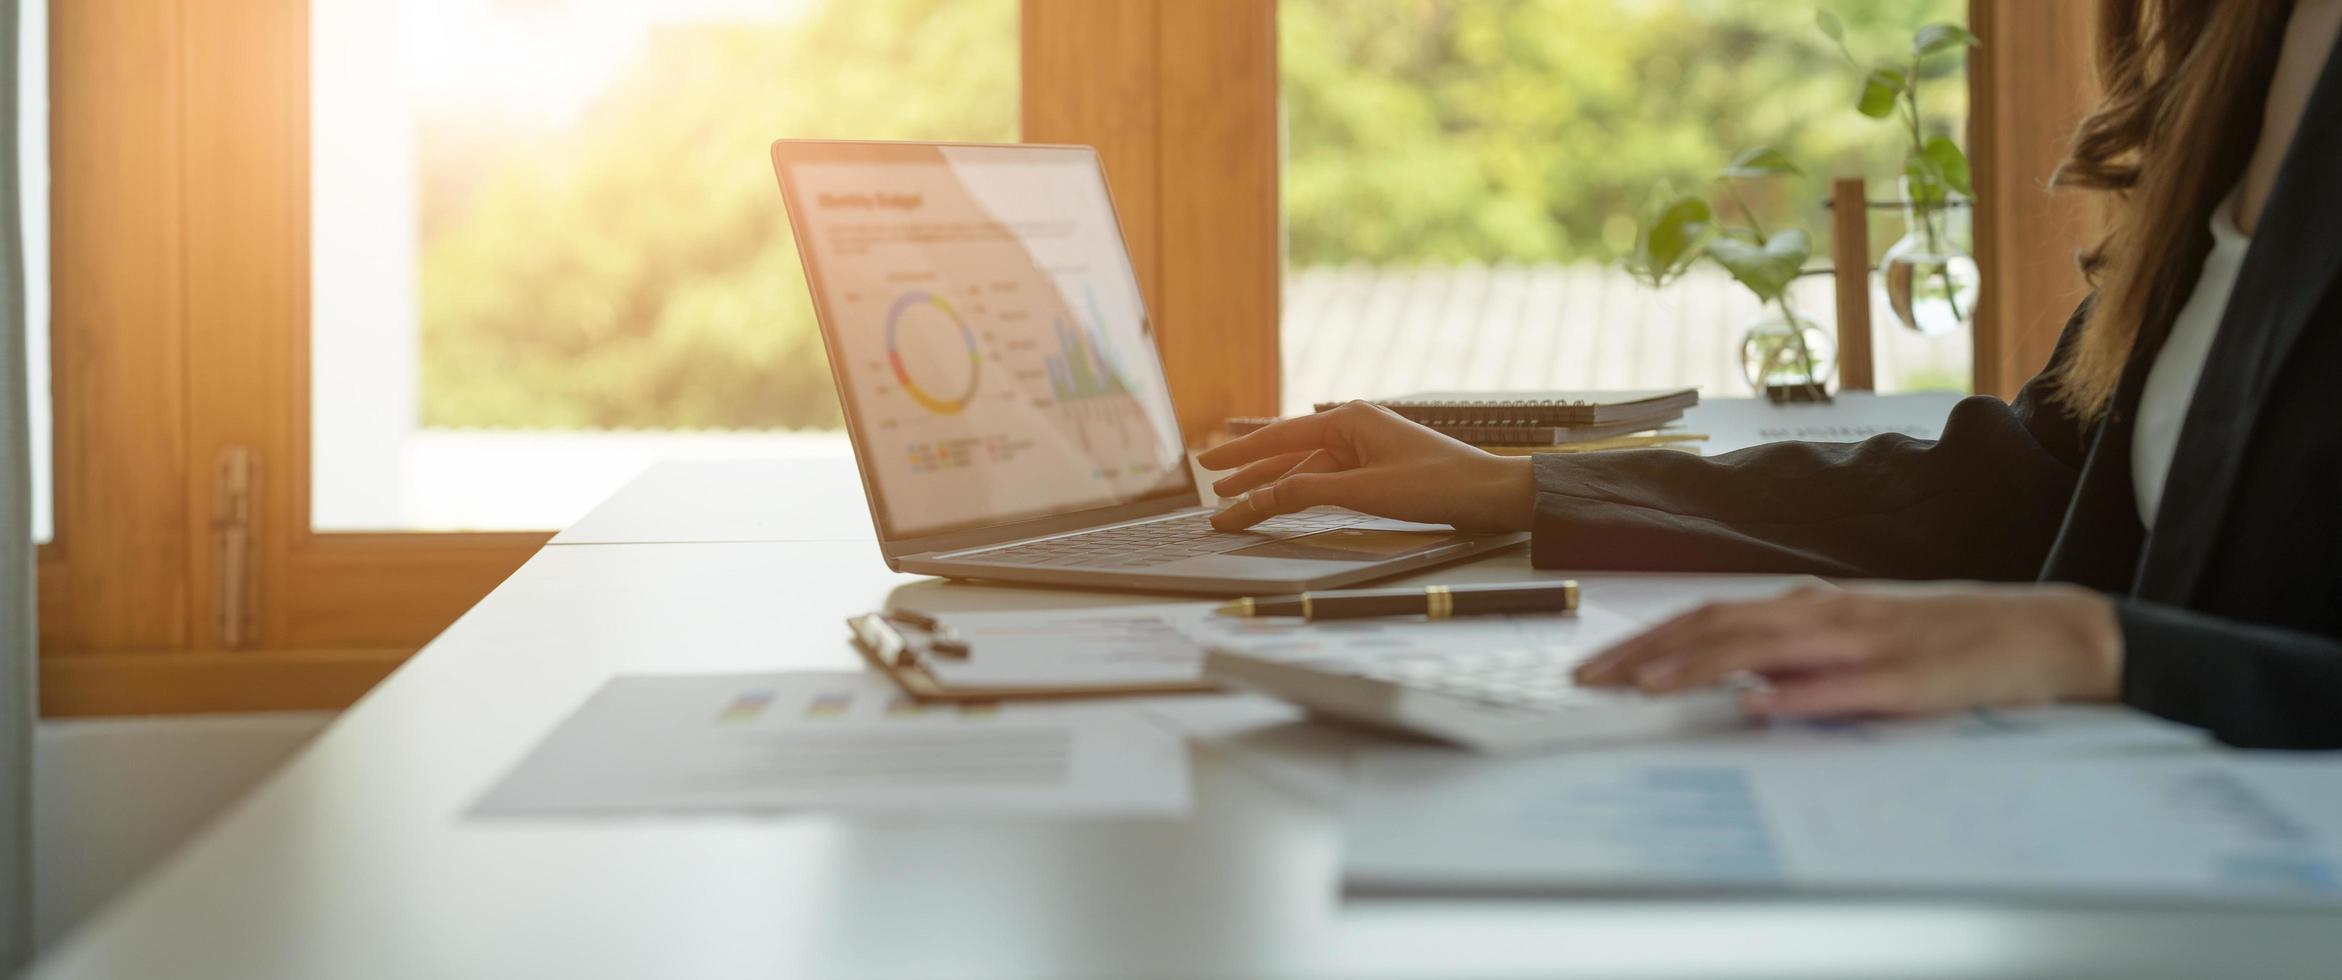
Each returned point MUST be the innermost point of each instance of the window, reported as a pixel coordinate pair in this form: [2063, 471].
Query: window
[1463, 177]
[190, 151]
[547, 247]
[32, 161]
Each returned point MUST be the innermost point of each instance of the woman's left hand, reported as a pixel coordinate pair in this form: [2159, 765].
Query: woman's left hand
[1884, 650]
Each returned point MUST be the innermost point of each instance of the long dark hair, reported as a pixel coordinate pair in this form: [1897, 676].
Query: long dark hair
[2184, 82]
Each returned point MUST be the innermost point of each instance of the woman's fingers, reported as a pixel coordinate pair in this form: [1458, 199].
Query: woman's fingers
[1297, 492]
[1700, 629]
[1255, 474]
[1317, 462]
[1294, 435]
[1899, 687]
[1864, 652]
[1792, 650]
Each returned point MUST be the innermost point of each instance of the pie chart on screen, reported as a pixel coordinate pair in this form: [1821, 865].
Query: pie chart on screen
[932, 351]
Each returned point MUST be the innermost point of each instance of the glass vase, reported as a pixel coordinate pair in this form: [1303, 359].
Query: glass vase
[1773, 360]
[1930, 280]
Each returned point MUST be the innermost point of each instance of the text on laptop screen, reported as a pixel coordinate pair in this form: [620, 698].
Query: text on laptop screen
[989, 335]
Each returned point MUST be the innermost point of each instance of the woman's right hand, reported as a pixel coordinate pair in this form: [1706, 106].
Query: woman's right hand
[1367, 458]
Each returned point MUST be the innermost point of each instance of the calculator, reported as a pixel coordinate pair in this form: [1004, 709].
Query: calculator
[1509, 700]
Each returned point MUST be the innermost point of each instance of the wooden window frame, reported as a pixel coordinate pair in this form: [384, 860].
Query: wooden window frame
[1180, 98]
[180, 154]
[2029, 84]
[180, 149]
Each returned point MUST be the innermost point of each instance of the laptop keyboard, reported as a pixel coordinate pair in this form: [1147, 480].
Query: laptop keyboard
[1160, 542]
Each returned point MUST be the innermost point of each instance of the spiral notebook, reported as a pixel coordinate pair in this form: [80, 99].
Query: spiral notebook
[1506, 434]
[1554, 408]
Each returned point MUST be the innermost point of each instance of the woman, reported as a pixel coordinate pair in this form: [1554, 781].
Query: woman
[2168, 484]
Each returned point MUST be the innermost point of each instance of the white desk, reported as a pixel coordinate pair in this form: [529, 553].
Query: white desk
[694, 500]
[357, 859]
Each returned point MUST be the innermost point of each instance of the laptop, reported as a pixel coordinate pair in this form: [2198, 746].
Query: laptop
[1002, 390]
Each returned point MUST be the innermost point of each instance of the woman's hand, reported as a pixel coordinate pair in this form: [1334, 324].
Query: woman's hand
[1368, 459]
[1884, 651]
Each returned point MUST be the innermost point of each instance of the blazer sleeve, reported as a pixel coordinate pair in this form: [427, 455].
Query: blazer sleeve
[1984, 501]
[2248, 684]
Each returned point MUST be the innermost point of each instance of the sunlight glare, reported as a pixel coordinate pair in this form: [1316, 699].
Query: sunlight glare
[541, 63]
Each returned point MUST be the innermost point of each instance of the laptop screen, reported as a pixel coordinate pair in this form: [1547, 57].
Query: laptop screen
[985, 329]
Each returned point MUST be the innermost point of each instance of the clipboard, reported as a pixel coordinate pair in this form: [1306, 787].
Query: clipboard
[901, 645]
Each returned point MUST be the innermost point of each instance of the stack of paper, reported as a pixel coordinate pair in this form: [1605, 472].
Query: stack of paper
[840, 741]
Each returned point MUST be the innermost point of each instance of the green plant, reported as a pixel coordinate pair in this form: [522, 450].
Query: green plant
[1934, 167]
[1687, 229]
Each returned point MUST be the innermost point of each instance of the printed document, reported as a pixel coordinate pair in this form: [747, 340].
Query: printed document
[1158, 643]
[1165, 642]
[759, 743]
[2191, 826]
[1075, 647]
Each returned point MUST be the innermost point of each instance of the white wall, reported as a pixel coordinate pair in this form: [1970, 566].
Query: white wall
[112, 797]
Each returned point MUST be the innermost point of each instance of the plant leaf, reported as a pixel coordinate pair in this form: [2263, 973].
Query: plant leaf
[1923, 182]
[1949, 163]
[1879, 89]
[1760, 161]
[1941, 37]
[1669, 243]
[1830, 27]
[1768, 269]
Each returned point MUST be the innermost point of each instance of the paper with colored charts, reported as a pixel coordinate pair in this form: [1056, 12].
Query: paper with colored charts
[765, 743]
[2196, 826]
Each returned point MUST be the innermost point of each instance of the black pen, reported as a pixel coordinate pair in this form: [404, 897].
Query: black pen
[1429, 601]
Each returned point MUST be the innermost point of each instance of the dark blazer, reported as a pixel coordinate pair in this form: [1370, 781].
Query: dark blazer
[2230, 606]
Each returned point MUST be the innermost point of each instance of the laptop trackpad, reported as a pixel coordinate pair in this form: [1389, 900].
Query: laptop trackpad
[1350, 544]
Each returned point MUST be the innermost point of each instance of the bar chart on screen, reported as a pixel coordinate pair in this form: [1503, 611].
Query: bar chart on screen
[1097, 398]
[1078, 371]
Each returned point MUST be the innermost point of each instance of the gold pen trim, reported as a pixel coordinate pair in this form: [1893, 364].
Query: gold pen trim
[1438, 602]
[1306, 612]
[1238, 607]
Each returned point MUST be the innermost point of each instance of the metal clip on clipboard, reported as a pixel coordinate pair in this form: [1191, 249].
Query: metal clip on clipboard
[904, 645]
[904, 639]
